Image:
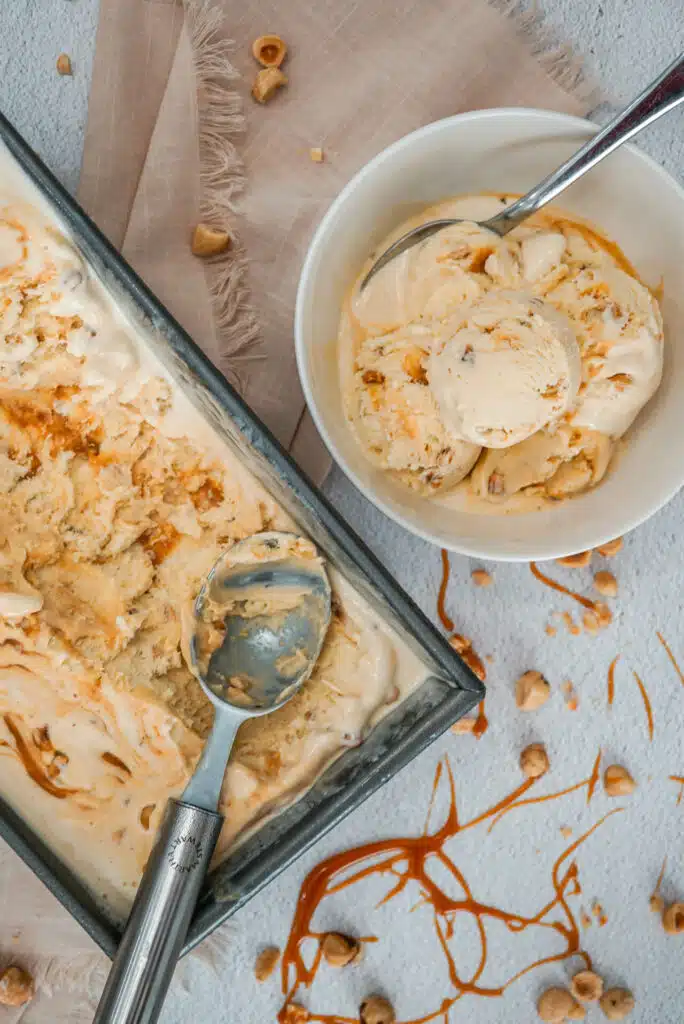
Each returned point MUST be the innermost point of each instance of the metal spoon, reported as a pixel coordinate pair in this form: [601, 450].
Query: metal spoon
[665, 93]
[249, 659]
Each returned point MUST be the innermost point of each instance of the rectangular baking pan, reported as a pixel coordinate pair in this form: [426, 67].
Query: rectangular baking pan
[450, 691]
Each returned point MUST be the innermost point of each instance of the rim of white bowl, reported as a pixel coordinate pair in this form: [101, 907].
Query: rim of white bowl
[623, 525]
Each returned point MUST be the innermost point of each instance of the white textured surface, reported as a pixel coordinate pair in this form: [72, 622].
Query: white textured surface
[625, 42]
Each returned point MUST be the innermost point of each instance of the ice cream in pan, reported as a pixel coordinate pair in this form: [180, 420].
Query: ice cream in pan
[499, 373]
[116, 500]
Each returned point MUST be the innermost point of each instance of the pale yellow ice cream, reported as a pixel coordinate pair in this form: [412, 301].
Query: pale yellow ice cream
[543, 343]
[115, 500]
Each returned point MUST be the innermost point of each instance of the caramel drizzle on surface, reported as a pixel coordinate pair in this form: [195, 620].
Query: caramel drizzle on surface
[586, 602]
[680, 780]
[647, 704]
[406, 859]
[441, 610]
[671, 656]
[611, 680]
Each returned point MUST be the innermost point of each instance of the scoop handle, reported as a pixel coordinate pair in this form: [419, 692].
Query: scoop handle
[657, 99]
[160, 917]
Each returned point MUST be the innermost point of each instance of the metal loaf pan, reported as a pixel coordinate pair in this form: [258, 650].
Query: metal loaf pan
[450, 691]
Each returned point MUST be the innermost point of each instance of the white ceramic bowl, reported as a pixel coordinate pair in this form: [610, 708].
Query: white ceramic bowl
[628, 195]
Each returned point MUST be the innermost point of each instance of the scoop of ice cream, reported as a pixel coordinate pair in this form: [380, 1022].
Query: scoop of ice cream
[510, 366]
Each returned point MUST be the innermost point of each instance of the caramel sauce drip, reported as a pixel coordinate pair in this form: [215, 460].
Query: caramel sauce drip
[611, 680]
[481, 722]
[590, 784]
[406, 860]
[586, 602]
[28, 753]
[671, 656]
[680, 780]
[441, 611]
[647, 704]
[116, 762]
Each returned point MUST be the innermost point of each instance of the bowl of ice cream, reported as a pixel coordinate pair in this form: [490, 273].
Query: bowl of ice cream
[506, 398]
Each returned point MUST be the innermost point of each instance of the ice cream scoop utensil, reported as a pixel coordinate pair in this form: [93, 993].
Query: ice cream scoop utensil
[662, 95]
[260, 620]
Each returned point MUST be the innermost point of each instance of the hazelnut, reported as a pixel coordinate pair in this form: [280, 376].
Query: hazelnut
[555, 1005]
[464, 726]
[340, 950]
[606, 583]
[587, 986]
[481, 578]
[269, 50]
[16, 987]
[376, 1010]
[266, 84]
[617, 781]
[294, 1013]
[460, 643]
[673, 919]
[610, 548]
[603, 614]
[577, 1013]
[578, 561]
[64, 64]
[617, 1003]
[531, 691]
[317, 155]
[266, 963]
[534, 761]
[208, 241]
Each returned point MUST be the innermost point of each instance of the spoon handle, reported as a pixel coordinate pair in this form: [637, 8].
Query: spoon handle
[657, 99]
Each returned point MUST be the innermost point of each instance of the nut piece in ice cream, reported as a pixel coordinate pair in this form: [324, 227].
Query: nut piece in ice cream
[617, 1003]
[266, 84]
[534, 760]
[317, 154]
[531, 691]
[209, 241]
[339, 950]
[617, 781]
[266, 963]
[269, 50]
[509, 365]
[376, 1010]
[555, 1005]
[16, 987]
[587, 986]
[673, 919]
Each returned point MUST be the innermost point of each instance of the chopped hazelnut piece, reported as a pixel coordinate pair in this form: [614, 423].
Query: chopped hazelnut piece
[610, 548]
[64, 64]
[481, 578]
[340, 950]
[555, 1005]
[208, 241]
[376, 1010]
[294, 1013]
[617, 781]
[606, 583]
[534, 761]
[656, 903]
[269, 50]
[266, 83]
[460, 643]
[549, 629]
[317, 154]
[463, 726]
[587, 986]
[617, 1003]
[590, 622]
[531, 691]
[266, 963]
[673, 919]
[577, 1013]
[578, 561]
[16, 987]
[565, 831]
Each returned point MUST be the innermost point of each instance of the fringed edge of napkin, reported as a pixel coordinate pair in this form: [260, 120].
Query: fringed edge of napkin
[222, 180]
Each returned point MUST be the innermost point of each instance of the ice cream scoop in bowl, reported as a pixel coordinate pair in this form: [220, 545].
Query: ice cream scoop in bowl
[258, 625]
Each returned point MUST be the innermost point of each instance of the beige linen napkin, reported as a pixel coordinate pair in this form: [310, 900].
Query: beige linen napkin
[166, 145]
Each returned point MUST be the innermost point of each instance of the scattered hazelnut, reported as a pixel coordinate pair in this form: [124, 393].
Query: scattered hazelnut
[587, 986]
[16, 987]
[64, 64]
[555, 1005]
[463, 646]
[459, 643]
[590, 621]
[531, 691]
[578, 561]
[376, 1010]
[481, 578]
[294, 1013]
[534, 760]
[565, 831]
[269, 50]
[317, 155]
[208, 241]
[463, 726]
[610, 548]
[656, 903]
[603, 614]
[266, 83]
[266, 963]
[606, 583]
[617, 1003]
[617, 781]
[673, 919]
[340, 950]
